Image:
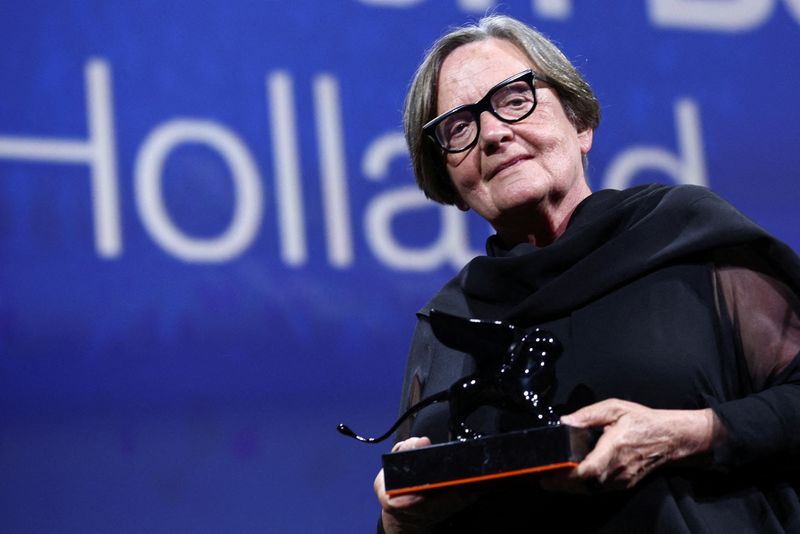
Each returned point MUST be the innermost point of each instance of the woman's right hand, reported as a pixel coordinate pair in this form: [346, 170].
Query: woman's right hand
[417, 513]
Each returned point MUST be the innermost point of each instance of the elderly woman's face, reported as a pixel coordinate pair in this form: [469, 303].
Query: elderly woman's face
[535, 162]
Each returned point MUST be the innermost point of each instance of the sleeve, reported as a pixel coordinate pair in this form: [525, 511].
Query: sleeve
[762, 426]
[430, 368]
[417, 368]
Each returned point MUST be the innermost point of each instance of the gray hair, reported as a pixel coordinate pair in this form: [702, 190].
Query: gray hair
[576, 95]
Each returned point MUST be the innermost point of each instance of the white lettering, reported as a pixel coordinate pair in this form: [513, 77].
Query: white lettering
[794, 8]
[476, 6]
[726, 16]
[247, 183]
[553, 9]
[451, 247]
[391, 3]
[714, 15]
[380, 153]
[288, 189]
[452, 244]
[688, 167]
[332, 171]
[99, 152]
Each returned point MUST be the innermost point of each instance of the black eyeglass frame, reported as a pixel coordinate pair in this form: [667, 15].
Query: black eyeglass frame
[485, 104]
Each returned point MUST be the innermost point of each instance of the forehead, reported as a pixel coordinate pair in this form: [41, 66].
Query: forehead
[472, 69]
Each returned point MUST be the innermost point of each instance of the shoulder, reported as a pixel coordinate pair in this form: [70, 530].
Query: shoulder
[450, 298]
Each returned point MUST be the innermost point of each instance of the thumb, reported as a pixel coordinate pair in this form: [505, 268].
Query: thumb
[598, 414]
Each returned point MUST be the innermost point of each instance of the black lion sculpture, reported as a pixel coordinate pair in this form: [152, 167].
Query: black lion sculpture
[514, 374]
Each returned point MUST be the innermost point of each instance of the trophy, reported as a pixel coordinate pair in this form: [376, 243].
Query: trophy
[514, 374]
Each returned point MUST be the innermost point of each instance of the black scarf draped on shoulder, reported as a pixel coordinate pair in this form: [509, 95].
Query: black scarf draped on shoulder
[612, 238]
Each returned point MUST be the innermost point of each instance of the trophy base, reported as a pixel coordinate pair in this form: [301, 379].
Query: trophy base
[491, 457]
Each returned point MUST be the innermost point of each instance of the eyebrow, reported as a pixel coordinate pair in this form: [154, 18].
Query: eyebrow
[438, 87]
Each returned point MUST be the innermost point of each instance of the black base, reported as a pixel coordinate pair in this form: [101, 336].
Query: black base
[491, 457]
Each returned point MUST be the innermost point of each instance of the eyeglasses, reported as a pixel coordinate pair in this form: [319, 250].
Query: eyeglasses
[510, 101]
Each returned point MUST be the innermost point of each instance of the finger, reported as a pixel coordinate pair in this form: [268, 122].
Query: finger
[411, 443]
[600, 413]
[389, 503]
[597, 414]
[380, 489]
[598, 462]
[400, 502]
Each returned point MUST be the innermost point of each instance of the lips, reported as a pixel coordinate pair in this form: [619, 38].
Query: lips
[505, 165]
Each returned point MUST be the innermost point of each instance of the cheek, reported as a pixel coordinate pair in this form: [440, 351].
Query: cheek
[464, 169]
[561, 142]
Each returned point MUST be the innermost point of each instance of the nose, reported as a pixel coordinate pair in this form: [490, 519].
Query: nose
[493, 132]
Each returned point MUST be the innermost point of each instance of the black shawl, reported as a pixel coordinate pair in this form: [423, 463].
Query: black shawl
[612, 238]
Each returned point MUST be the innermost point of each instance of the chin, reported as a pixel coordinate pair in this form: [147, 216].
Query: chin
[526, 197]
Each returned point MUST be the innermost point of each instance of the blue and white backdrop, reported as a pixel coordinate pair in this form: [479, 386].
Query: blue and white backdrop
[211, 247]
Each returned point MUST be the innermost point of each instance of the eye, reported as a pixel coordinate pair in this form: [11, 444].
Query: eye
[516, 102]
[513, 99]
[457, 127]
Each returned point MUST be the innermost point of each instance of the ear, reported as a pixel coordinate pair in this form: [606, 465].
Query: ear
[585, 140]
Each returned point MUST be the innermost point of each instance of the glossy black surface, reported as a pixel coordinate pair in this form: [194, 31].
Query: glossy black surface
[514, 374]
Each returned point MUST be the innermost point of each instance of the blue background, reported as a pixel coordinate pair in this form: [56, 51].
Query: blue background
[144, 392]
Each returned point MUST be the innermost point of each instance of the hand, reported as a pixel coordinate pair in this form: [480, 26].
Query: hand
[635, 441]
[416, 513]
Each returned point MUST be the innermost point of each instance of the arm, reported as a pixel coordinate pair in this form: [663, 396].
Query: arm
[635, 441]
[754, 429]
[430, 368]
[404, 513]
[766, 315]
[418, 513]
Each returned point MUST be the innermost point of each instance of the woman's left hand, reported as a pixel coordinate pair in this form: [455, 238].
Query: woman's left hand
[635, 441]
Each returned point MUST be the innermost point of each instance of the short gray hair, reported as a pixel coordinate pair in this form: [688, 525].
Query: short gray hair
[576, 95]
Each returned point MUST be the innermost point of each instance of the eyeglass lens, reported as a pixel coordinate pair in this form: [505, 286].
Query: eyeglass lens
[510, 102]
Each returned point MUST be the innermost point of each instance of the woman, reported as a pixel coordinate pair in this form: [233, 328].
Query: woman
[679, 317]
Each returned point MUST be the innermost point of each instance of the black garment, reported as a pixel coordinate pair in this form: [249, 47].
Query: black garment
[631, 289]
